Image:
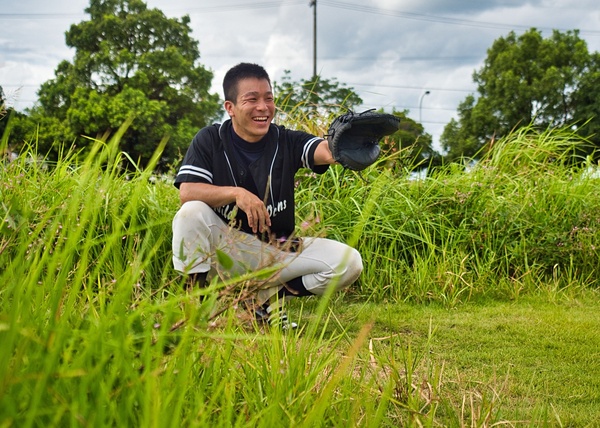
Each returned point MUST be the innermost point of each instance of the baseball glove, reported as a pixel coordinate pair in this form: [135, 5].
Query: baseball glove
[353, 139]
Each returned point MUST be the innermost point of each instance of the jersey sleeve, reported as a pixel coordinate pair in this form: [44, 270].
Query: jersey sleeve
[305, 146]
[196, 166]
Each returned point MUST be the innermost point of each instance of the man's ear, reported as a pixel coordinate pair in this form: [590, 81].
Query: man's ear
[228, 108]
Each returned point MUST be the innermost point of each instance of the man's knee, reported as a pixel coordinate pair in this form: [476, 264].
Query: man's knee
[348, 270]
[193, 211]
[354, 267]
[190, 237]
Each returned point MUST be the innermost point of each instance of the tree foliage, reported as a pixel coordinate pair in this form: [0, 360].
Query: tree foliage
[586, 98]
[314, 98]
[129, 61]
[410, 147]
[526, 80]
[13, 125]
[2, 115]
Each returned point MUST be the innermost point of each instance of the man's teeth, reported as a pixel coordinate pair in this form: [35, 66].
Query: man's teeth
[261, 119]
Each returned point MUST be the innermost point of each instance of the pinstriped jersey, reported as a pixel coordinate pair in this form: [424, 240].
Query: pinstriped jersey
[211, 159]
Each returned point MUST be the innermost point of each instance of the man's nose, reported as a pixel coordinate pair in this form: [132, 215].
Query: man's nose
[262, 105]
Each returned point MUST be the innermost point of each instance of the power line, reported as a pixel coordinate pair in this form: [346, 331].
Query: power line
[366, 58]
[435, 18]
[221, 7]
[243, 6]
[330, 3]
[404, 58]
[9, 16]
[18, 85]
[204, 9]
[420, 88]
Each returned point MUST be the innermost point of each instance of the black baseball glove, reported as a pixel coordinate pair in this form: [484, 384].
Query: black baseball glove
[353, 139]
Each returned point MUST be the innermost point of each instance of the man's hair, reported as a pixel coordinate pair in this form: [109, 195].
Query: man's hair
[241, 71]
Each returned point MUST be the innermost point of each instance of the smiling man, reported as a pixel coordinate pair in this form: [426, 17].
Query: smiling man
[236, 186]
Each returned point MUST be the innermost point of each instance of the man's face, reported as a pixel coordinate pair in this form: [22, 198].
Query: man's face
[253, 110]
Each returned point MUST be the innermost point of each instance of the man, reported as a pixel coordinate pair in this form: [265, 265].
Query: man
[236, 186]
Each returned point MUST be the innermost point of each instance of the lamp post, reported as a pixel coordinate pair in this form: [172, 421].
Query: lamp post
[421, 105]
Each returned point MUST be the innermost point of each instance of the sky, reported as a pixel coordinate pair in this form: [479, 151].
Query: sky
[415, 55]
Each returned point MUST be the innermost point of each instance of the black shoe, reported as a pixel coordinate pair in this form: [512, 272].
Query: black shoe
[195, 281]
[260, 312]
[279, 319]
[261, 315]
[198, 279]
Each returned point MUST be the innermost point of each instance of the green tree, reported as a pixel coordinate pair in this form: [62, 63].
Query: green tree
[3, 120]
[314, 99]
[12, 126]
[412, 144]
[463, 138]
[129, 61]
[525, 80]
[2, 108]
[585, 99]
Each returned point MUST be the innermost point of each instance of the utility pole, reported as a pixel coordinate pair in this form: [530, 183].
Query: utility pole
[313, 3]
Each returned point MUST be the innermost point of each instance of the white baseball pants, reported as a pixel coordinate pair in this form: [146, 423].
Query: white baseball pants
[198, 232]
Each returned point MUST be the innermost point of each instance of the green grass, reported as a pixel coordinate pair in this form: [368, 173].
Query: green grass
[528, 361]
[477, 307]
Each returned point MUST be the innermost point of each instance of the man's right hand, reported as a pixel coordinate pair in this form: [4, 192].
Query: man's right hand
[258, 216]
[217, 196]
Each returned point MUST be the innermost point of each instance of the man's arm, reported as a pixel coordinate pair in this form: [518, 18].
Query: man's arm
[217, 196]
[323, 155]
[214, 196]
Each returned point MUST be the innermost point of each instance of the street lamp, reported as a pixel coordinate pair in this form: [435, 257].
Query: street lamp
[421, 105]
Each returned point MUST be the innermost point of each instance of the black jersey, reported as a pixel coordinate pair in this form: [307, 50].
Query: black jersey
[211, 159]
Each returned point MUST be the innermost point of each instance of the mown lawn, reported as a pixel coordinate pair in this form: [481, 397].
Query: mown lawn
[524, 361]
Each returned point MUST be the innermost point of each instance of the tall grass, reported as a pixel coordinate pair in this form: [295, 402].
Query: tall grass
[519, 219]
[97, 330]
